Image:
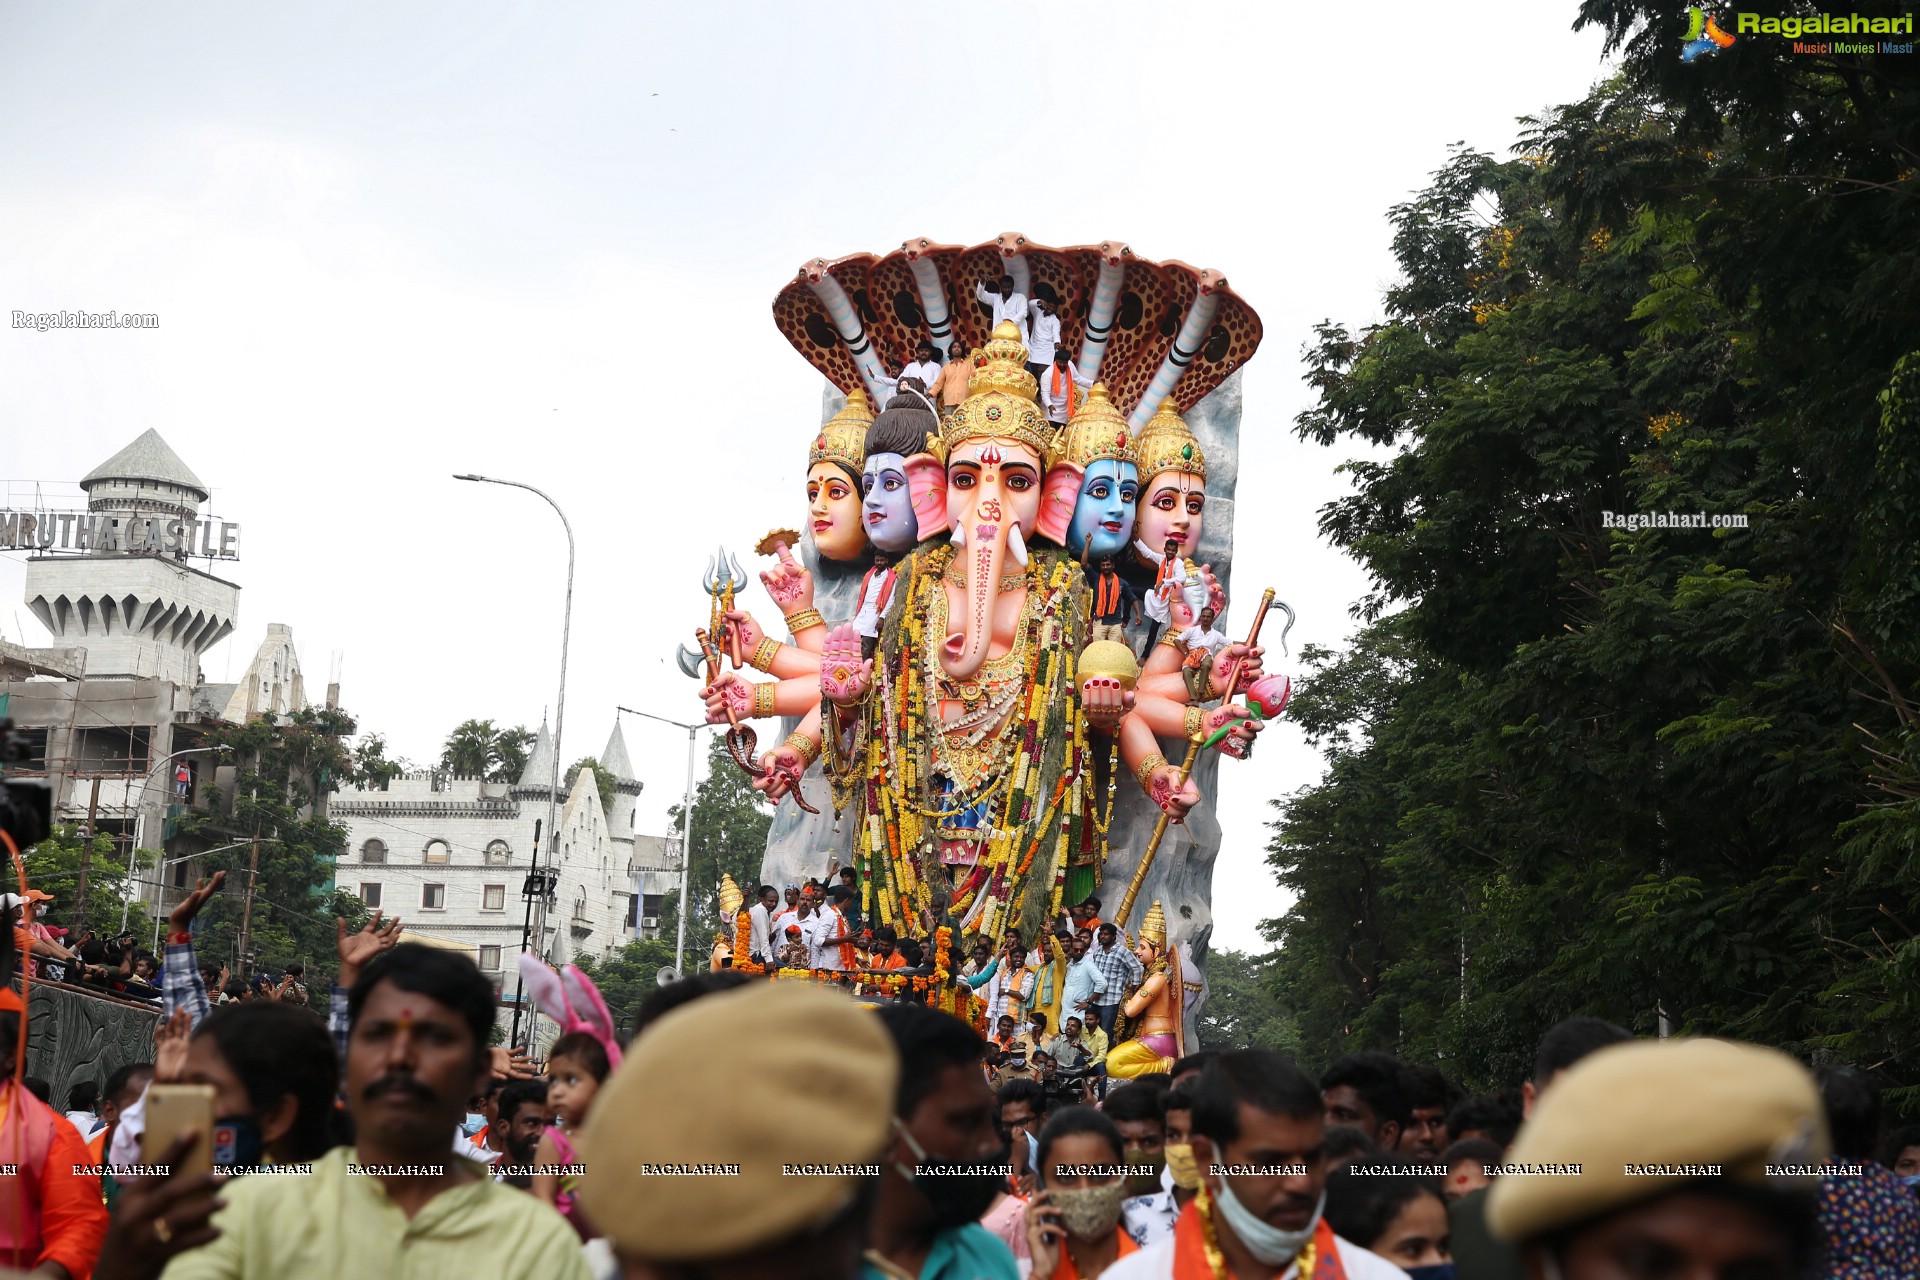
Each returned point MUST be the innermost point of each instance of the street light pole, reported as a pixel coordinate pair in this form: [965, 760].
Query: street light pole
[559, 709]
[686, 834]
[139, 824]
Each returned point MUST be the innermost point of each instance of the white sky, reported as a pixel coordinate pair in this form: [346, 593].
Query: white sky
[390, 242]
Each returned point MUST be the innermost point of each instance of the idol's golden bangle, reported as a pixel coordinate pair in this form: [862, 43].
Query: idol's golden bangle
[1148, 767]
[1195, 726]
[763, 654]
[805, 618]
[803, 746]
[763, 700]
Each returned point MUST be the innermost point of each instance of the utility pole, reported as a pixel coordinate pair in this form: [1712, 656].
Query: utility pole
[246, 912]
[86, 864]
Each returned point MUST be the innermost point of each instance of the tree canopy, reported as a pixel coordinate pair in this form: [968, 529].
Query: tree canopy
[1665, 775]
[481, 749]
[730, 824]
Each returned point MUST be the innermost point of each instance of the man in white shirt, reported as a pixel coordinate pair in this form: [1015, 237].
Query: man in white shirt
[1060, 387]
[1256, 1113]
[1202, 640]
[824, 941]
[924, 366]
[1005, 305]
[1043, 334]
[760, 923]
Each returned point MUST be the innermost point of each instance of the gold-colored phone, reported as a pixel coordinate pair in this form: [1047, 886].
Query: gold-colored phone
[172, 1109]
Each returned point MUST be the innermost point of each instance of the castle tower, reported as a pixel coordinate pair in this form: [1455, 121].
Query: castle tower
[626, 791]
[137, 608]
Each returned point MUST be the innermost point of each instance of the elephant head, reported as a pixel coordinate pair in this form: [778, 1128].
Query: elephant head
[993, 488]
[997, 449]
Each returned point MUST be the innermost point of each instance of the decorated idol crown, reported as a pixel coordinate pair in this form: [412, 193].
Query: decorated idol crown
[844, 438]
[1098, 433]
[1154, 928]
[1167, 444]
[1000, 400]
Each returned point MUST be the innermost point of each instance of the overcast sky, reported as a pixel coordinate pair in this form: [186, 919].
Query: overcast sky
[390, 242]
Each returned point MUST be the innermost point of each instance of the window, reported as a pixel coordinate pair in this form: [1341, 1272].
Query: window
[499, 854]
[373, 853]
[433, 897]
[370, 894]
[650, 904]
[489, 959]
[179, 874]
[580, 907]
[112, 751]
[493, 897]
[438, 851]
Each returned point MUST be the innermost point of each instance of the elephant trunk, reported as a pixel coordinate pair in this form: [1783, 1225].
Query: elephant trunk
[965, 647]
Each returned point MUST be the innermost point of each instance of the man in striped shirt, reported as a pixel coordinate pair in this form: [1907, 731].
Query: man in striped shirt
[1120, 969]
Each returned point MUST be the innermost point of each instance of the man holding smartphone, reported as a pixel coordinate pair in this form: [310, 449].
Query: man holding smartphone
[396, 1202]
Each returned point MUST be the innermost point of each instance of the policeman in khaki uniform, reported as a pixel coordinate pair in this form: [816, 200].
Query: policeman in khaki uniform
[1693, 1158]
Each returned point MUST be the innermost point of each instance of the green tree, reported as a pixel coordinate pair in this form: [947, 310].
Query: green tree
[627, 976]
[1244, 1008]
[471, 749]
[1664, 775]
[53, 866]
[283, 771]
[371, 767]
[510, 750]
[730, 824]
[481, 749]
[602, 776]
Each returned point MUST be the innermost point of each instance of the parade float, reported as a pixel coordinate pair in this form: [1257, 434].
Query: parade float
[955, 721]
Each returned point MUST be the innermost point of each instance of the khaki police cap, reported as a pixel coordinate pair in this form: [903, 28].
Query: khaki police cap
[1641, 1119]
[736, 1121]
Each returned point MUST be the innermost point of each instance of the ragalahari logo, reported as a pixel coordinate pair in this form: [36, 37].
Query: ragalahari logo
[1704, 35]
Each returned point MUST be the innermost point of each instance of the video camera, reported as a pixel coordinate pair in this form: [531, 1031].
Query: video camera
[26, 804]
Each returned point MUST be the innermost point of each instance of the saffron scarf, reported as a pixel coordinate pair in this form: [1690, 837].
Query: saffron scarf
[1067, 1271]
[1106, 600]
[1190, 1251]
[1073, 390]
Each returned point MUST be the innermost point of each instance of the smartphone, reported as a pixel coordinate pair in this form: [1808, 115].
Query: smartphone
[172, 1109]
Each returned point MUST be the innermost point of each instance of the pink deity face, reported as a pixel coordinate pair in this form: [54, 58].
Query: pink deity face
[833, 512]
[1172, 509]
[993, 500]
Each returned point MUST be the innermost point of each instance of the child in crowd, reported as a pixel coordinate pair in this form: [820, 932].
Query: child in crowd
[575, 1071]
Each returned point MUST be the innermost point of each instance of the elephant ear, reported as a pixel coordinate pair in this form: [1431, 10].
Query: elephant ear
[590, 1012]
[1059, 494]
[543, 985]
[927, 486]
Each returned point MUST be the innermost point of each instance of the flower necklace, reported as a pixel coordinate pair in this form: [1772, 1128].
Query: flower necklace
[1217, 1261]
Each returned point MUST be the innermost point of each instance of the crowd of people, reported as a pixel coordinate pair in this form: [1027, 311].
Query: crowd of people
[745, 1129]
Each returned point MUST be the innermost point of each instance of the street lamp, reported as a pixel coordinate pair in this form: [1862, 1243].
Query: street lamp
[160, 873]
[686, 832]
[539, 886]
[140, 820]
[560, 704]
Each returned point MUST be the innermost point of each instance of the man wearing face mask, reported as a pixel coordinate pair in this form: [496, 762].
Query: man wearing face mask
[1258, 1132]
[1140, 1111]
[946, 1163]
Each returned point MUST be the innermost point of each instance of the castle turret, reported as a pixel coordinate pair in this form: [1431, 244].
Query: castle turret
[129, 598]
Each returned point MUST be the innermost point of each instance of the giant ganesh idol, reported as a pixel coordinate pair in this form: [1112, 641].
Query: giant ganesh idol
[980, 759]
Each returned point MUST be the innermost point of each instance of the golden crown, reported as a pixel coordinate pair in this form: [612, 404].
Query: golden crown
[844, 438]
[1098, 433]
[1167, 444]
[1154, 928]
[1000, 400]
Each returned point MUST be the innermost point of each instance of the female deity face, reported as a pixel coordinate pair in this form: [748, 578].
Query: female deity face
[833, 507]
[1171, 510]
[1103, 514]
[886, 505]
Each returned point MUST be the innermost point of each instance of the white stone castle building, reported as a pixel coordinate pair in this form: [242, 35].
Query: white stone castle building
[449, 856]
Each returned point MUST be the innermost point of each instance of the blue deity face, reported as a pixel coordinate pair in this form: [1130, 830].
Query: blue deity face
[886, 504]
[1103, 513]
